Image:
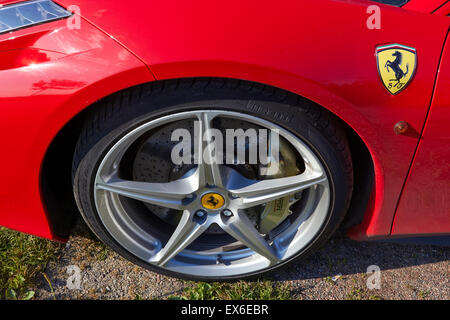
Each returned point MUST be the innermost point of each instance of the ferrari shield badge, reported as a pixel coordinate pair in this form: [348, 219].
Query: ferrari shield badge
[396, 66]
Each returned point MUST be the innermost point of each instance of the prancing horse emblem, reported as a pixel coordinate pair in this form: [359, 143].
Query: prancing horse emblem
[213, 201]
[396, 66]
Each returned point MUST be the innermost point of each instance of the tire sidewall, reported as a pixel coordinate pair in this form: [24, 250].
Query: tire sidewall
[291, 118]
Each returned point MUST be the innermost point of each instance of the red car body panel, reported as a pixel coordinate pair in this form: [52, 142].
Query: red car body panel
[40, 95]
[443, 10]
[424, 205]
[427, 6]
[320, 49]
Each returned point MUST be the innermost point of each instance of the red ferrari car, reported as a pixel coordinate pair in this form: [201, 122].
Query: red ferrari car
[356, 93]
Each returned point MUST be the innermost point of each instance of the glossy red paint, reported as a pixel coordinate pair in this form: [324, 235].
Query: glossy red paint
[425, 203]
[319, 49]
[39, 94]
[6, 2]
[427, 6]
[203, 38]
[443, 10]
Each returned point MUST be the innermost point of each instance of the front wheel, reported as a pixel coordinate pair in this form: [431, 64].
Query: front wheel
[176, 180]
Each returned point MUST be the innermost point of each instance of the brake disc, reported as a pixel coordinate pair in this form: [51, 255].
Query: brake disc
[153, 163]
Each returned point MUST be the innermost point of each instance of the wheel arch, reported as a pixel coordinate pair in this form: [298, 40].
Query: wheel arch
[56, 168]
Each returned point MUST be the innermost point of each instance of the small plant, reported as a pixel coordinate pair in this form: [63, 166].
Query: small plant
[259, 290]
[103, 254]
[329, 279]
[22, 257]
[355, 294]
[423, 294]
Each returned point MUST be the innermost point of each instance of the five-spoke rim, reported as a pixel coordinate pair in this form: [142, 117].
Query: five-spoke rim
[257, 251]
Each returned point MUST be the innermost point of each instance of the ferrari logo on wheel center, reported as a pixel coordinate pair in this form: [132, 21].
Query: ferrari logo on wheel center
[213, 201]
[396, 66]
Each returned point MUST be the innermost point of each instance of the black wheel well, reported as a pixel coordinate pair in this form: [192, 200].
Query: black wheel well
[56, 175]
[56, 178]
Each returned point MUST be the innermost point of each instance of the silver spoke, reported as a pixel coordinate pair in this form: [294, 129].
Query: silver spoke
[178, 251]
[208, 162]
[241, 228]
[263, 191]
[188, 229]
[168, 195]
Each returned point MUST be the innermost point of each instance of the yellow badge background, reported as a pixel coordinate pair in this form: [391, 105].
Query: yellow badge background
[208, 199]
[408, 58]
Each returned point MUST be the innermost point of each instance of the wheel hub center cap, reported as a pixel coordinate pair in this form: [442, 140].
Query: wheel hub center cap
[213, 201]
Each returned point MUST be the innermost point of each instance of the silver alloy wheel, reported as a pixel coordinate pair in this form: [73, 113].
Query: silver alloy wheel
[256, 252]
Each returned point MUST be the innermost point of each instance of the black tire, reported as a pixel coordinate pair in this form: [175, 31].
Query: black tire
[111, 118]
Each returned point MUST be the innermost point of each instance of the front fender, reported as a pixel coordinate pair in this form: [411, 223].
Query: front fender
[49, 75]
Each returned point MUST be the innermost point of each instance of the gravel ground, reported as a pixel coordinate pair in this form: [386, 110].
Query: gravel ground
[338, 271]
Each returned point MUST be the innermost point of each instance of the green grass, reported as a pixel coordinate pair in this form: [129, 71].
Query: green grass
[423, 294]
[22, 257]
[356, 294]
[258, 290]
